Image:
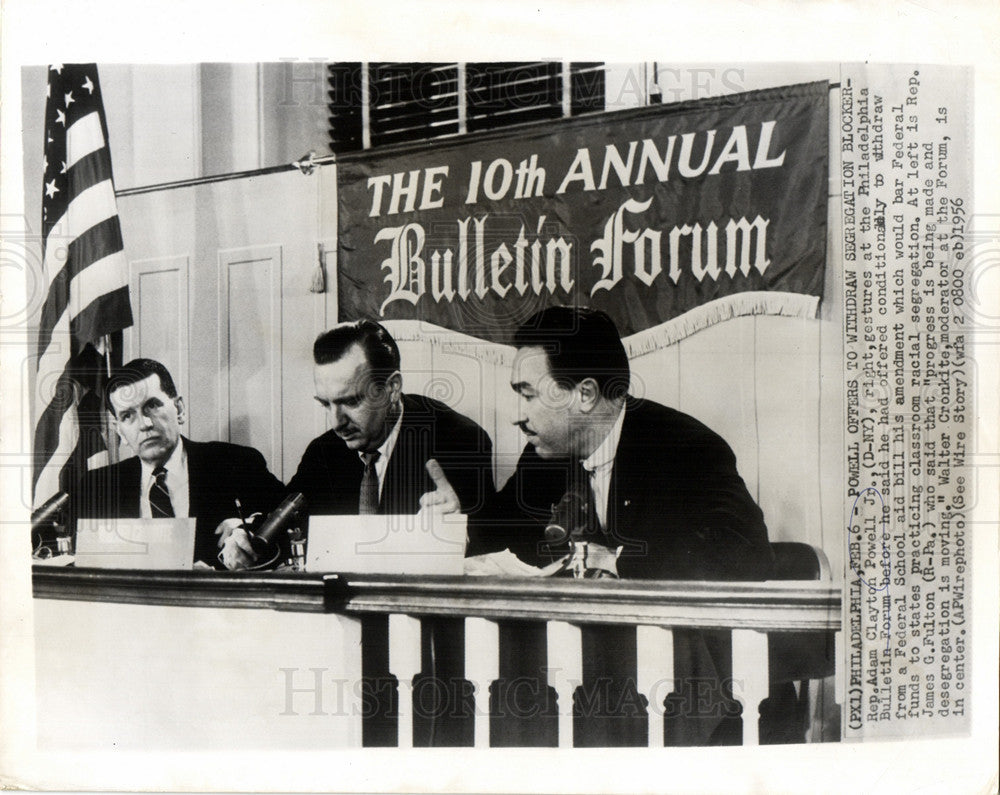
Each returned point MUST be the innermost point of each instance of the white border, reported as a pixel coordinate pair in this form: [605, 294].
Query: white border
[907, 32]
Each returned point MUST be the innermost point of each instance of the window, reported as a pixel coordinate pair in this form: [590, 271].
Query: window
[378, 104]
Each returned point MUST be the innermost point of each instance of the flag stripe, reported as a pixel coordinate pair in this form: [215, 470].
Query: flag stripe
[91, 323]
[83, 137]
[58, 394]
[99, 278]
[89, 208]
[96, 244]
[90, 171]
[51, 366]
[47, 476]
[95, 320]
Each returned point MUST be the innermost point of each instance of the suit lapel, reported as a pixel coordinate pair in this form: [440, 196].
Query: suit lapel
[624, 485]
[197, 476]
[403, 483]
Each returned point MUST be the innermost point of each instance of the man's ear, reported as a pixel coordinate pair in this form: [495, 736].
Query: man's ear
[113, 422]
[589, 394]
[179, 403]
[394, 386]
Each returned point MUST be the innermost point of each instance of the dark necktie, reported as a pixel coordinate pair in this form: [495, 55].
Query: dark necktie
[585, 487]
[159, 498]
[368, 499]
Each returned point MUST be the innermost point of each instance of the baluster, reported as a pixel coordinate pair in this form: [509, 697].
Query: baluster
[482, 667]
[654, 666]
[565, 672]
[404, 664]
[750, 678]
[839, 685]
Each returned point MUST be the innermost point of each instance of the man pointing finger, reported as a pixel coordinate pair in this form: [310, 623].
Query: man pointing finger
[443, 498]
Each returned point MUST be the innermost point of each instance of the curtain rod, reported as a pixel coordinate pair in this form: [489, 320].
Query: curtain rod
[306, 165]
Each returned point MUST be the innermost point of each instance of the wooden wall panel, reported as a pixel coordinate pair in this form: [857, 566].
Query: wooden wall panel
[788, 422]
[717, 386]
[250, 359]
[269, 213]
[214, 223]
[159, 290]
[656, 376]
[166, 139]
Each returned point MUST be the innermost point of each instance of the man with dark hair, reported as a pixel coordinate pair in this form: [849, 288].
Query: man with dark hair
[392, 453]
[386, 450]
[170, 475]
[664, 487]
[658, 497]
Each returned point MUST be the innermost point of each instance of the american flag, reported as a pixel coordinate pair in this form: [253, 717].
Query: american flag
[87, 304]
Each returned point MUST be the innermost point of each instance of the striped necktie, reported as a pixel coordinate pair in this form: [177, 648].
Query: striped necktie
[368, 499]
[159, 496]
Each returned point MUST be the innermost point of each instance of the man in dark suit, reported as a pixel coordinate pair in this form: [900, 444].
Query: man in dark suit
[392, 453]
[657, 496]
[171, 475]
[660, 485]
[391, 435]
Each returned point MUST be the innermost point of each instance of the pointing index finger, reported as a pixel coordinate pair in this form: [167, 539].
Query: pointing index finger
[437, 474]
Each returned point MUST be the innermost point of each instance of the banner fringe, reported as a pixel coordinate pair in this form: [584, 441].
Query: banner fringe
[449, 341]
[651, 339]
[721, 309]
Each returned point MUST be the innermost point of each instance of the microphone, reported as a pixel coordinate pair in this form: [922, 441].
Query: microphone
[280, 519]
[49, 510]
[568, 517]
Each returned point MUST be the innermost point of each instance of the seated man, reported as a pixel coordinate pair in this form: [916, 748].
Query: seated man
[375, 457]
[663, 500]
[663, 487]
[387, 453]
[170, 475]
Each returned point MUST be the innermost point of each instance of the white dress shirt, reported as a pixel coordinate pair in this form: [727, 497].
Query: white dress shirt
[177, 484]
[599, 465]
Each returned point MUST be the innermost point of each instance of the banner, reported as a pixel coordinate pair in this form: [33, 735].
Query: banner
[669, 218]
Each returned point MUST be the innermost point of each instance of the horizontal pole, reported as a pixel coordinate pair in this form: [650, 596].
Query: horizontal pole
[195, 181]
[771, 606]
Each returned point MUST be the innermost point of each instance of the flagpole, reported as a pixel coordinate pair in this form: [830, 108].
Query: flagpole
[110, 437]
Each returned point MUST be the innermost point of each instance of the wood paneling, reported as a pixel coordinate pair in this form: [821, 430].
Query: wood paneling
[271, 218]
[717, 381]
[159, 289]
[788, 421]
[656, 376]
[250, 360]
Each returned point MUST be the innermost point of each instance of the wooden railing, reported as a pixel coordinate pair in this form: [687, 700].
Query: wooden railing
[753, 613]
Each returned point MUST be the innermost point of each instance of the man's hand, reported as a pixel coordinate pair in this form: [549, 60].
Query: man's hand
[237, 552]
[443, 499]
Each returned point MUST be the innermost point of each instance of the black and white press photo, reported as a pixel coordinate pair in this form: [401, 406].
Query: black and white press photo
[373, 401]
